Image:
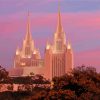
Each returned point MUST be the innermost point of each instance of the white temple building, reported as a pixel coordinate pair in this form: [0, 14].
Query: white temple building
[58, 57]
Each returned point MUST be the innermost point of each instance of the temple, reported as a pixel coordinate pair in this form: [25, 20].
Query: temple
[58, 57]
[28, 55]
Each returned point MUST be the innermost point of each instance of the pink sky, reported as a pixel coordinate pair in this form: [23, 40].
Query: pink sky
[81, 22]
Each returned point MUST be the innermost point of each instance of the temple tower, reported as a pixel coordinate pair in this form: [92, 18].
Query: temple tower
[59, 55]
[28, 55]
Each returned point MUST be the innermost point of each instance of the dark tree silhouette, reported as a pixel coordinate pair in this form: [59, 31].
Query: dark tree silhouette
[85, 81]
[82, 84]
[3, 74]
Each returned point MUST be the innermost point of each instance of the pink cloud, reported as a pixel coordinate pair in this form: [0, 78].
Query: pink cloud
[75, 24]
[78, 23]
[10, 28]
[89, 58]
[84, 19]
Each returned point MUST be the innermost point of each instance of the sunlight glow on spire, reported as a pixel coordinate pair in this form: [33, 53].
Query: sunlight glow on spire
[59, 26]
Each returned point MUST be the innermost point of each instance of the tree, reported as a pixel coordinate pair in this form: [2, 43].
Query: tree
[61, 95]
[85, 81]
[3, 74]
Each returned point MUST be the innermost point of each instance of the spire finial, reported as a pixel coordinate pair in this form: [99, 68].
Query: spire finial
[59, 5]
[28, 34]
[28, 24]
[59, 26]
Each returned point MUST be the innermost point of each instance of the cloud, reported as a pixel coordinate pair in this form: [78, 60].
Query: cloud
[87, 23]
[88, 58]
[12, 6]
[82, 28]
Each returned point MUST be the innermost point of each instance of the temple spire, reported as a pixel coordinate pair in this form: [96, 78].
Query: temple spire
[28, 33]
[69, 45]
[59, 26]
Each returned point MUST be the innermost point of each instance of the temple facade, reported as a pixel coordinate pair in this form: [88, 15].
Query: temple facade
[28, 55]
[59, 54]
[58, 57]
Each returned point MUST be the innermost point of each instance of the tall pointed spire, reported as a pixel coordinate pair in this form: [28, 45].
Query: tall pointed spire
[28, 33]
[59, 26]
